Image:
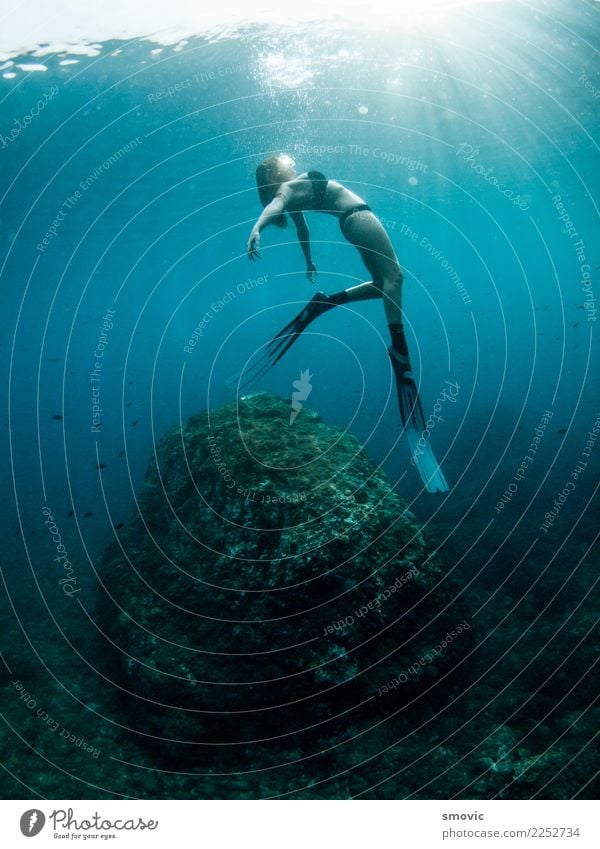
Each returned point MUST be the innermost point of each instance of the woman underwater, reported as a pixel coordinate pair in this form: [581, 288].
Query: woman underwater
[282, 191]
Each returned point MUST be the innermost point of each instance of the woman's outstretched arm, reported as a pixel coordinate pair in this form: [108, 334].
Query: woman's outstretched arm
[276, 207]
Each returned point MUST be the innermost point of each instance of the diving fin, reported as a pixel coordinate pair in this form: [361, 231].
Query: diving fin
[411, 413]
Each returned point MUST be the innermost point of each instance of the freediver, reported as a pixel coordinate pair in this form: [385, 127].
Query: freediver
[283, 191]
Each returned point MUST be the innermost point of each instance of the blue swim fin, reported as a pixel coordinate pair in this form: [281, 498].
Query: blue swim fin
[411, 413]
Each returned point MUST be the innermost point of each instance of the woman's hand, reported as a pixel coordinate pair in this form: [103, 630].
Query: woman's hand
[254, 245]
[311, 272]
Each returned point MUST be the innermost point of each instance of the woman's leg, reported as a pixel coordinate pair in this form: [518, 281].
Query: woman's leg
[366, 233]
[363, 292]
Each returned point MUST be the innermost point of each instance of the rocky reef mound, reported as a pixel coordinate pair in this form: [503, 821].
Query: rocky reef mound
[273, 590]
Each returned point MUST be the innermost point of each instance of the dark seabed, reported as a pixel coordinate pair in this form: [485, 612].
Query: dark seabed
[210, 592]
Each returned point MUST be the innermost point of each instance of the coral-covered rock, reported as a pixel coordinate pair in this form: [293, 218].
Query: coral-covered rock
[273, 587]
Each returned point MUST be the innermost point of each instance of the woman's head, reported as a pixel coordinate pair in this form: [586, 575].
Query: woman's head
[270, 174]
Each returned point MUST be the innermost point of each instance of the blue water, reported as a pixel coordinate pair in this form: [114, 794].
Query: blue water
[139, 173]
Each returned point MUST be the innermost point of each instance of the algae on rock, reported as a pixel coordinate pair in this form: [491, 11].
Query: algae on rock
[269, 586]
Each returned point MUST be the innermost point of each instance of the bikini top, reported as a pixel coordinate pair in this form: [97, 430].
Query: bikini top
[319, 187]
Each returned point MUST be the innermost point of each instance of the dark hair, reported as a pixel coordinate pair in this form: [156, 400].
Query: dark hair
[268, 180]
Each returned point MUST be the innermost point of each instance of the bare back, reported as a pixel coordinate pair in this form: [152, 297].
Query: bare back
[298, 196]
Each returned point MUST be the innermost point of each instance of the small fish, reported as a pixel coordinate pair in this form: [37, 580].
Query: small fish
[70, 514]
[576, 324]
[120, 525]
[129, 403]
[57, 418]
[100, 465]
[121, 454]
[562, 430]
[134, 423]
[88, 514]
[18, 532]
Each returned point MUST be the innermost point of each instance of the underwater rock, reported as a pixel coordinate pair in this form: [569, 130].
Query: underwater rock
[272, 587]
